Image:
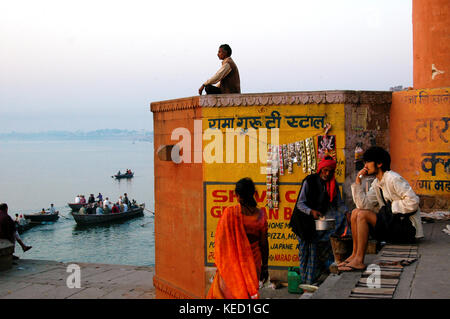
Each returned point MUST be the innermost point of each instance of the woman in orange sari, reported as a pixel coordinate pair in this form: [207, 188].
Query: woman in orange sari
[241, 248]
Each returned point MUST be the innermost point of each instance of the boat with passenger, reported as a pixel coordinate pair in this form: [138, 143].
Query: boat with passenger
[42, 216]
[91, 219]
[23, 224]
[127, 174]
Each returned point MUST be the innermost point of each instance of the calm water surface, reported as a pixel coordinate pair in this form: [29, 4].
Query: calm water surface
[37, 173]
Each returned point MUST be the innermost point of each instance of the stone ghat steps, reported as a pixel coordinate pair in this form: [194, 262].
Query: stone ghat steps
[380, 282]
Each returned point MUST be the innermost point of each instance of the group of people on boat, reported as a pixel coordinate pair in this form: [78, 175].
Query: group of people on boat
[81, 199]
[128, 172]
[106, 206]
[20, 220]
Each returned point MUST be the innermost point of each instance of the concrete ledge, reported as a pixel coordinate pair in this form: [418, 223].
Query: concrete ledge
[6, 253]
[274, 98]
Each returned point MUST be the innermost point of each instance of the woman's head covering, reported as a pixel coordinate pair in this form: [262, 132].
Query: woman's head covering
[245, 188]
[328, 161]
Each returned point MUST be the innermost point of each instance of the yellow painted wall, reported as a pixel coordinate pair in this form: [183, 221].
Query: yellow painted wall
[219, 178]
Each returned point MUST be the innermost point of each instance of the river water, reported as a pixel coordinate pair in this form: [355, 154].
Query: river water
[38, 173]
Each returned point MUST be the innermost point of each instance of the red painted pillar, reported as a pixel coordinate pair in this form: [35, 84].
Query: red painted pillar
[420, 118]
[431, 43]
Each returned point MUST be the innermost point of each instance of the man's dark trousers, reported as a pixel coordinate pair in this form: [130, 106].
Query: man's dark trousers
[211, 89]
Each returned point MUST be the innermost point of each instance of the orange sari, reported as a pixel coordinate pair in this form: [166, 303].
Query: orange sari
[238, 262]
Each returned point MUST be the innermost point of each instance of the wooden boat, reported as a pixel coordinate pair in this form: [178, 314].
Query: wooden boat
[39, 218]
[76, 206]
[91, 219]
[22, 228]
[126, 175]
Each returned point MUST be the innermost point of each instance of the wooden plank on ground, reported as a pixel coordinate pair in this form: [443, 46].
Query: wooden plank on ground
[386, 268]
[385, 274]
[383, 281]
[403, 253]
[363, 296]
[400, 246]
[391, 266]
[400, 258]
[373, 291]
[381, 286]
[382, 259]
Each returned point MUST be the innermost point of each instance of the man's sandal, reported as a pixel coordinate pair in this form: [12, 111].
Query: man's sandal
[343, 263]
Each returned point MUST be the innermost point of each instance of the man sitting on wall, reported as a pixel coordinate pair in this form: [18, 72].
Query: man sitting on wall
[227, 76]
[389, 211]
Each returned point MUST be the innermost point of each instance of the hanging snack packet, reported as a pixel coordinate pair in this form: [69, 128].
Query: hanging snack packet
[280, 151]
[303, 154]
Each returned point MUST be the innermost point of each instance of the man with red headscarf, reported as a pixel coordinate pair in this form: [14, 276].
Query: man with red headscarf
[319, 197]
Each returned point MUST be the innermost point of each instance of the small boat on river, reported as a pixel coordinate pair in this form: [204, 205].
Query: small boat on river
[91, 219]
[39, 217]
[126, 175]
[21, 228]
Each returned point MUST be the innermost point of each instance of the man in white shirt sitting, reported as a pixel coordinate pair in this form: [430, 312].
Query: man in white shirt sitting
[77, 199]
[52, 209]
[107, 204]
[389, 211]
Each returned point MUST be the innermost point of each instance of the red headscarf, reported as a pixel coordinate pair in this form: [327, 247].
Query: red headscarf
[331, 184]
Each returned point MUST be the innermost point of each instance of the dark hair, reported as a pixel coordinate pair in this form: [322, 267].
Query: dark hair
[3, 206]
[227, 48]
[378, 155]
[245, 188]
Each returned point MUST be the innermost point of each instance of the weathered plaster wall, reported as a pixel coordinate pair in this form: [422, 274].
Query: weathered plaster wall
[420, 146]
[179, 271]
[367, 124]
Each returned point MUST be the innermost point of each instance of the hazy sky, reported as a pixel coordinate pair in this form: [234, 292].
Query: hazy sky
[69, 65]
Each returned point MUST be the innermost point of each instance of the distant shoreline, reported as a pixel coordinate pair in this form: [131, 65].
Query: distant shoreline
[105, 134]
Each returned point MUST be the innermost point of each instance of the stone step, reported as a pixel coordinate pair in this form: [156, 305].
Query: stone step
[6, 253]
